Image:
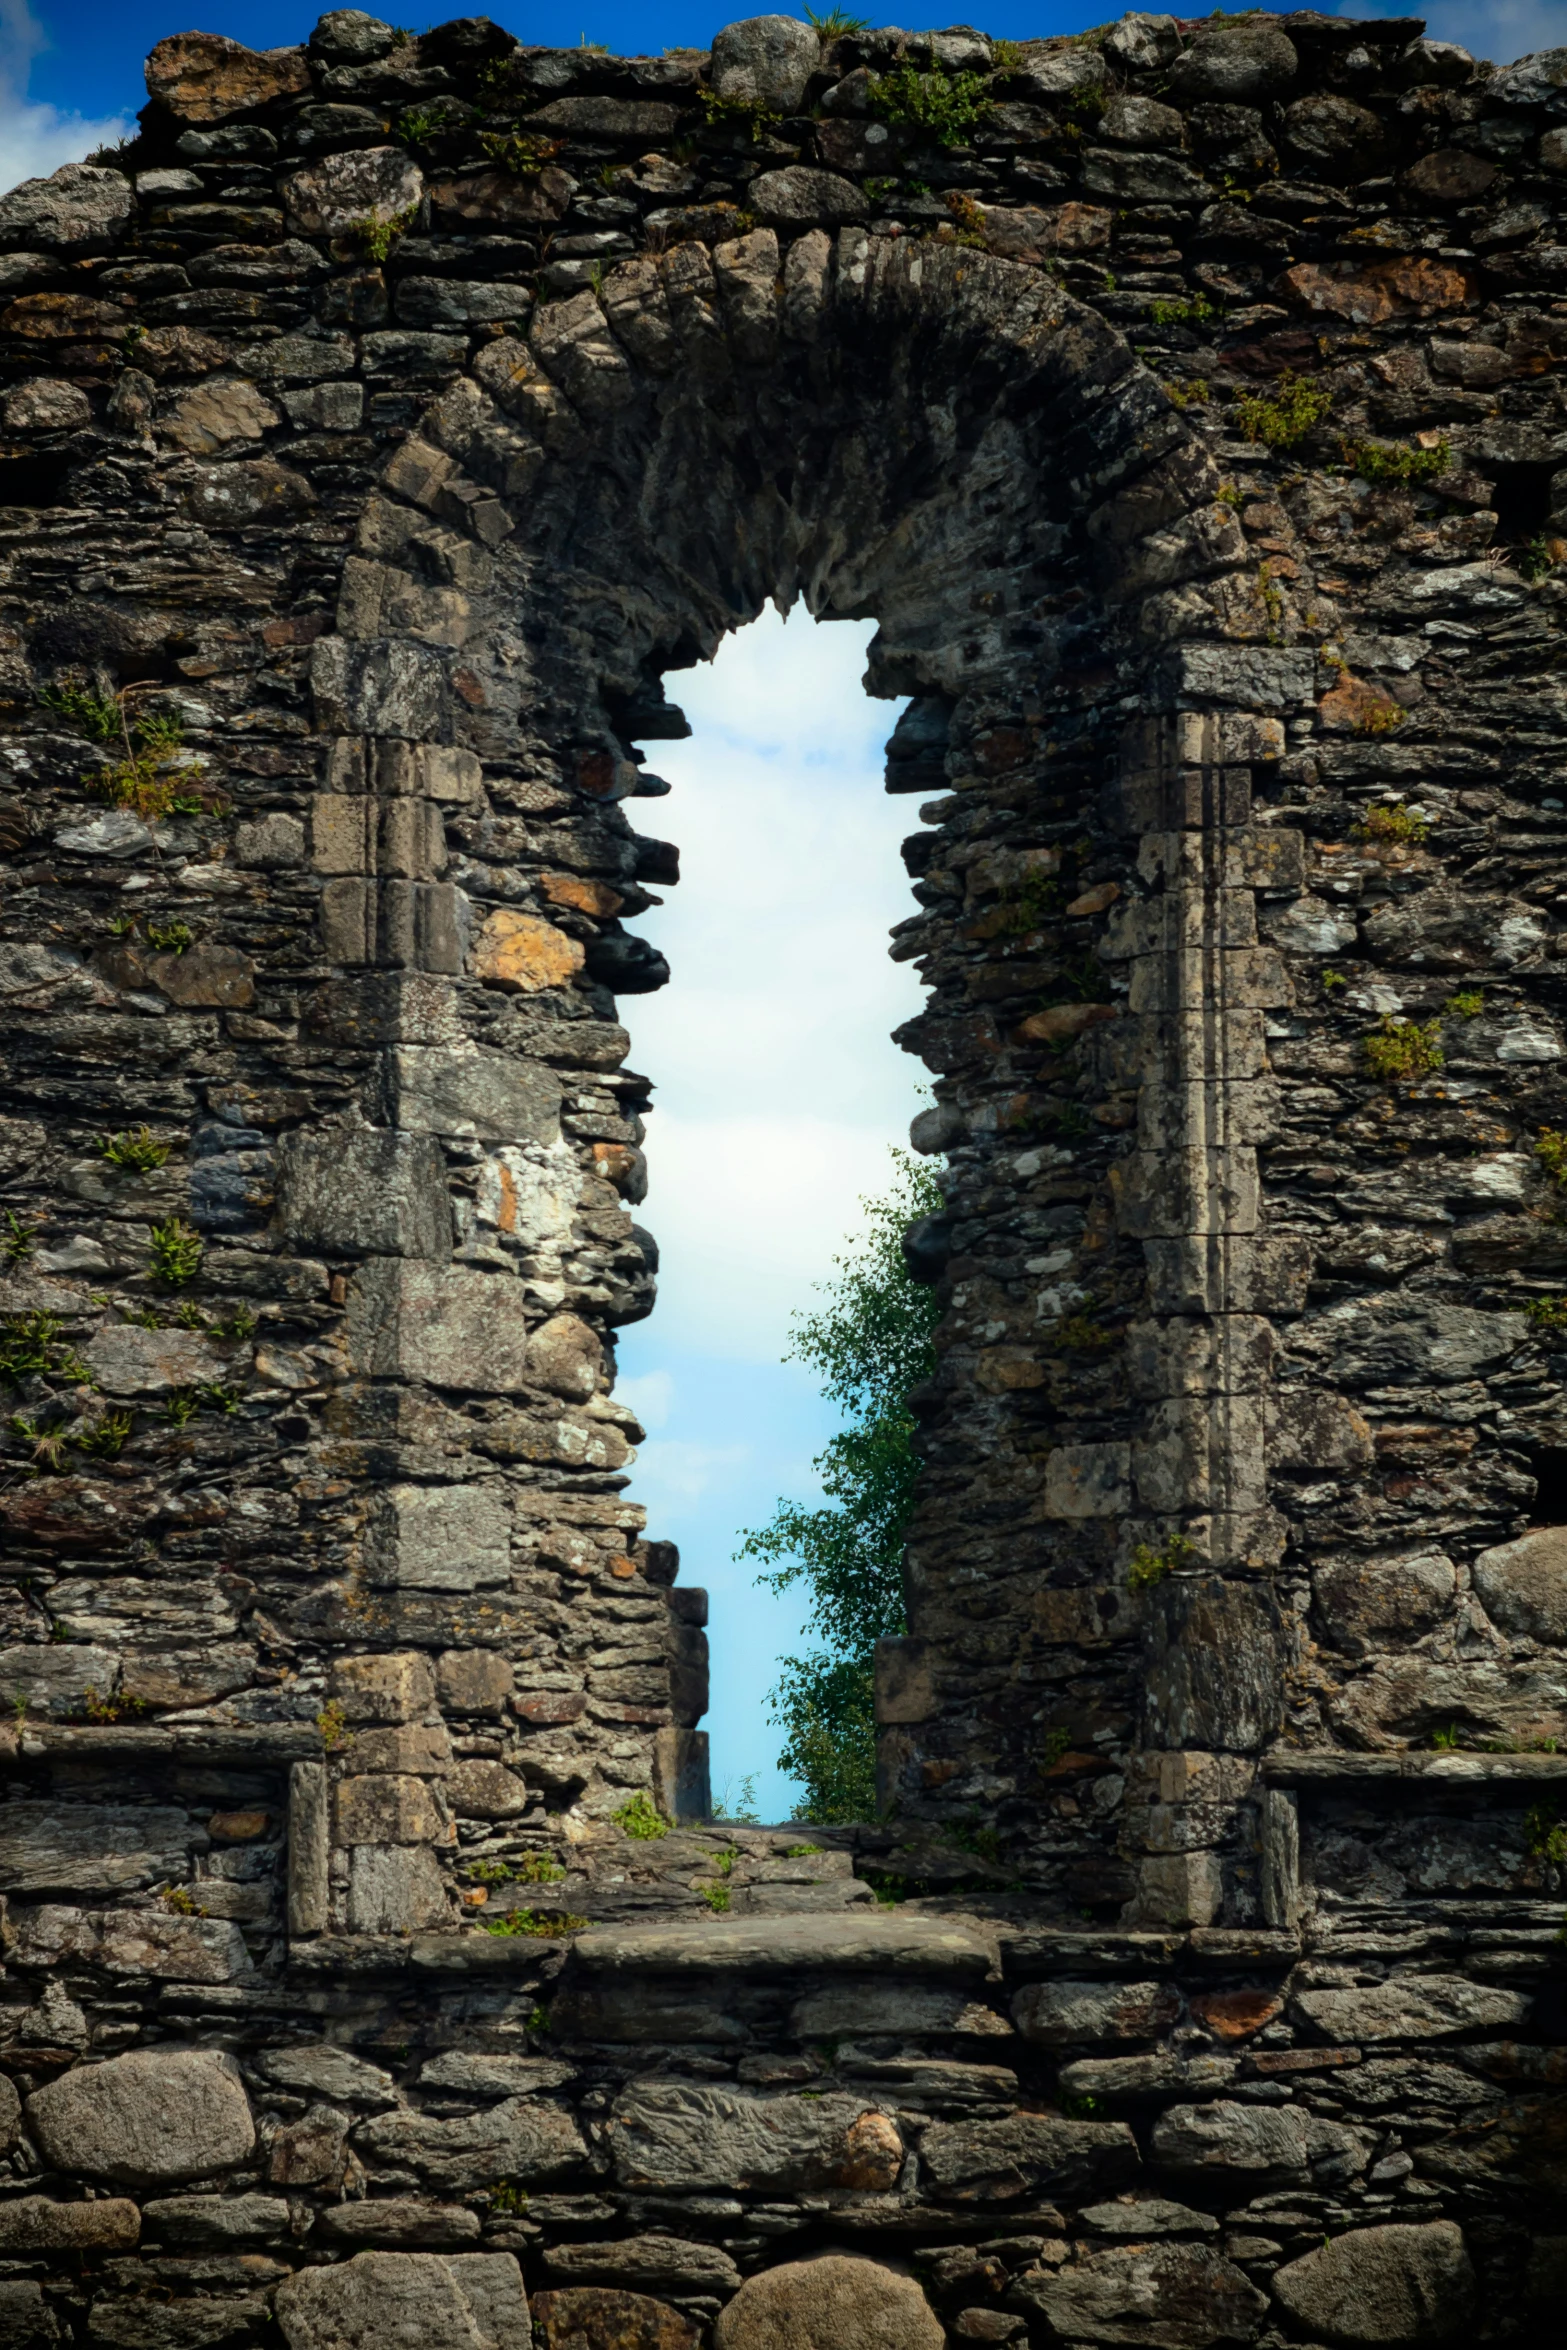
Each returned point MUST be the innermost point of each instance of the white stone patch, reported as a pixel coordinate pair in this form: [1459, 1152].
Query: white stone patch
[530, 1192]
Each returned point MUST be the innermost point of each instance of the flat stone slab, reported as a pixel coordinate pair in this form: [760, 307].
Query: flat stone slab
[841, 1944]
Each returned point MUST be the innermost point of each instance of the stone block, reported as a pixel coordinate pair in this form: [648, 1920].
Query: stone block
[473, 1681]
[522, 2138]
[383, 1807]
[994, 2162]
[399, 2223]
[32, 2224]
[653, 2263]
[473, 1095]
[423, 1748]
[147, 2119]
[521, 954]
[682, 1786]
[133, 1942]
[677, 2138]
[364, 1191]
[383, 1688]
[439, 1538]
[1177, 1889]
[1277, 2146]
[330, 2072]
[1202, 1452]
[127, 1360]
[602, 2317]
[1227, 1354]
[1524, 1584]
[81, 208]
[1213, 1674]
[467, 2301]
[1160, 2297]
[364, 183]
[765, 61]
[395, 1889]
[217, 2222]
[94, 1848]
[838, 2302]
[1088, 1481]
[309, 1844]
[487, 1791]
[203, 78]
[1385, 1602]
[905, 1680]
[1413, 2007]
[1062, 2014]
[54, 1677]
[454, 1327]
[1400, 2284]
[1187, 1191]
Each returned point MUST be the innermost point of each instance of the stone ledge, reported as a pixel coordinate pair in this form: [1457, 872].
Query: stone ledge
[1283, 1769]
[811, 1944]
[278, 1743]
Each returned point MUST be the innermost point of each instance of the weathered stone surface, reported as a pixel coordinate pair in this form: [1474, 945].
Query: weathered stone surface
[101, 1848]
[798, 196]
[216, 413]
[203, 78]
[383, 1688]
[601, 2318]
[31, 2224]
[835, 2303]
[134, 1942]
[127, 1360]
[146, 2119]
[1524, 1584]
[80, 208]
[517, 2139]
[1244, 63]
[470, 2301]
[451, 1326]
[217, 2220]
[652, 2264]
[1368, 1605]
[326, 2071]
[473, 1681]
[1278, 2144]
[1412, 2007]
[400, 2223]
[877, 1945]
[46, 405]
[395, 1889]
[487, 1791]
[765, 61]
[364, 1191]
[364, 184]
[439, 1538]
[1389, 2284]
[522, 954]
[26, 2321]
[481, 1095]
[1171, 2297]
[983, 2162]
[683, 2139]
[1061, 2014]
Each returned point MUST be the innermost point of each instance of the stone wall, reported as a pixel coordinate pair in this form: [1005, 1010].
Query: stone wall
[381, 429]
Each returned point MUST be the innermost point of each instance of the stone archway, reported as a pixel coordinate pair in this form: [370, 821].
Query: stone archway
[374, 460]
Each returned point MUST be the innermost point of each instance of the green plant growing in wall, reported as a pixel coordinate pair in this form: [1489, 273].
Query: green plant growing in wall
[1194, 310]
[1402, 1049]
[91, 714]
[520, 152]
[641, 1819]
[175, 1252]
[170, 938]
[1545, 1834]
[946, 105]
[376, 235]
[1397, 827]
[31, 1348]
[17, 1241]
[1468, 1004]
[134, 1150]
[1383, 461]
[1295, 409]
[835, 24]
[544, 1925]
[1148, 1566]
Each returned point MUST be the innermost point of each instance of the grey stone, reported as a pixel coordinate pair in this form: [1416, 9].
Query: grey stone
[126, 1360]
[388, 1689]
[144, 2120]
[1330, 137]
[478, 1095]
[54, 1677]
[394, 1889]
[799, 196]
[439, 1538]
[1404, 2285]
[79, 209]
[474, 1681]
[1379, 1342]
[26, 2321]
[1235, 65]
[217, 2220]
[271, 841]
[450, 301]
[837, 2302]
[1142, 43]
[1143, 2216]
[895, 2008]
[1065, 72]
[985, 2162]
[876, 1945]
[473, 2074]
[765, 61]
[648, 2264]
[1524, 1584]
[1280, 2145]
[326, 407]
[468, 2301]
[167, 1947]
[399, 2223]
[31, 2224]
[334, 2073]
[1412, 2007]
[684, 2139]
[44, 404]
[1535, 80]
[364, 1190]
[518, 2139]
[348, 36]
[363, 183]
[10, 2113]
[481, 1790]
[1213, 1676]
[1381, 1602]
[451, 1326]
[1059, 2014]
[94, 1848]
[1167, 2296]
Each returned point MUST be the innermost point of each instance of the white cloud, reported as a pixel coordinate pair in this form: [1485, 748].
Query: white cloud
[669, 1471]
[778, 1089]
[1500, 30]
[651, 1397]
[36, 139]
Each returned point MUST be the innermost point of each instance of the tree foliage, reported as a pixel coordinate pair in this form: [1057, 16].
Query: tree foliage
[871, 1342]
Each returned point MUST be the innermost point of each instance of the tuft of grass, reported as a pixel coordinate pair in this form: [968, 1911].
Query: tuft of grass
[520, 152]
[1539, 556]
[1381, 461]
[835, 24]
[1547, 1313]
[1551, 1151]
[717, 1897]
[1381, 717]
[133, 1149]
[508, 2200]
[107, 1441]
[1402, 1049]
[1468, 1004]
[170, 938]
[17, 1242]
[1395, 827]
[1545, 1835]
[1055, 1744]
[175, 1252]
[31, 1348]
[948, 105]
[544, 1924]
[1148, 1566]
[1332, 980]
[1080, 2109]
[1194, 394]
[641, 1819]
[1196, 310]
[376, 237]
[1295, 409]
[88, 712]
[1445, 1740]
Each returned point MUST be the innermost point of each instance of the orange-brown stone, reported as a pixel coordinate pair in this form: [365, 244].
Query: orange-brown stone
[1411, 283]
[523, 953]
[583, 896]
[202, 78]
[1235, 2015]
[1061, 1020]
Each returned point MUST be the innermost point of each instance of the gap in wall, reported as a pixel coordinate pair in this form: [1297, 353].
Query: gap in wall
[778, 1094]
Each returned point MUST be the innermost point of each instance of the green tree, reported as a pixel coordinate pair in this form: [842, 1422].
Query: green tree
[871, 1341]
